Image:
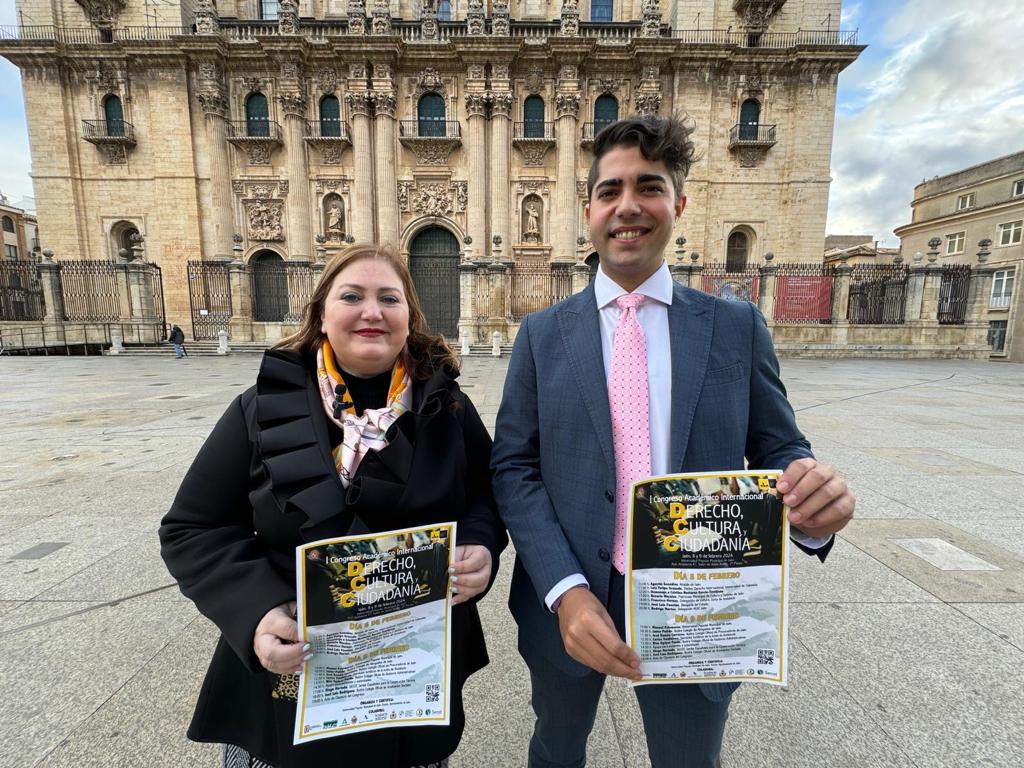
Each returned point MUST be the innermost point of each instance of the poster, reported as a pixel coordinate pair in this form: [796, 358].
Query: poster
[706, 578]
[376, 611]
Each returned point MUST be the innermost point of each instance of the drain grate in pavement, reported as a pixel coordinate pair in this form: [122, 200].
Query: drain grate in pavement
[40, 550]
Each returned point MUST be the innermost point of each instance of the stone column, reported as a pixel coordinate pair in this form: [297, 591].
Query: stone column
[563, 221]
[840, 303]
[387, 186]
[300, 238]
[53, 297]
[476, 214]
[696, 272]
[766, 294]
[361, 214]
[212, 98]
[501, 122]
[915, 290]
[241, 302]
[467, 294]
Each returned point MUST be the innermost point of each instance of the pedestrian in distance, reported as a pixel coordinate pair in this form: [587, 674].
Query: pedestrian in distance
[177, 338]
[635, 376]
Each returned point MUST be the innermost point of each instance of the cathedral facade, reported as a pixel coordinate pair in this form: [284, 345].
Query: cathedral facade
[238, 145]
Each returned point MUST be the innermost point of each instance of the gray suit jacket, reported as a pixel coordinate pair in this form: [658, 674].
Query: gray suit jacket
[554, 465]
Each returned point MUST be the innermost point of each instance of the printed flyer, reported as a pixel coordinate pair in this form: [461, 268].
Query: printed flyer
[376, 611]
[707, 578]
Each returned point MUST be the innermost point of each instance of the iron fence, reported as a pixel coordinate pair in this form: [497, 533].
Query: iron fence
[91, 290]
[561, 282]
[953, 287]
[878, 294]
[737, 285]
[21, 292]
[280, 292]
[803, 294]
[535, 286]
[209, 293]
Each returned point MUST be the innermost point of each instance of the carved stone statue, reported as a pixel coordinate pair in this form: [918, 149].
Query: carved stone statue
[336, 219]
[531, 229]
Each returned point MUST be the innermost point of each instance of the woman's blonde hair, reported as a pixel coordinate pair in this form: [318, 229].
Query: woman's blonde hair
[425, 352]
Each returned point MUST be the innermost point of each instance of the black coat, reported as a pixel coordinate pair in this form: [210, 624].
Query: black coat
[264, 482]
[177, 336]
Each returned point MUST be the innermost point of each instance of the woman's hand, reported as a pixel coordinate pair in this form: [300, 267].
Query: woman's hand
[471, 572]
[276, 641]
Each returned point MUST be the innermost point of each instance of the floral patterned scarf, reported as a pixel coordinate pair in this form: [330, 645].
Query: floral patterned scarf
[360, 434]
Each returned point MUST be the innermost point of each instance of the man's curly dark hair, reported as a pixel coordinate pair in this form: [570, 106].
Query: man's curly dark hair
[665, 139]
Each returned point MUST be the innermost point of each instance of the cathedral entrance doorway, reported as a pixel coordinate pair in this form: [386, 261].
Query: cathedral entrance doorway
[434, 264]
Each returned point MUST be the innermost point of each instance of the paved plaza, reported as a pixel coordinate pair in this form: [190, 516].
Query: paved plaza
[904, 650]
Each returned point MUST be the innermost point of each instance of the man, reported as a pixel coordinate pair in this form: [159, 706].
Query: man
[177, 338]
[578, 424]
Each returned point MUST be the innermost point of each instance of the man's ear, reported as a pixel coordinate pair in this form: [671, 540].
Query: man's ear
[586, 212]
[680, 205]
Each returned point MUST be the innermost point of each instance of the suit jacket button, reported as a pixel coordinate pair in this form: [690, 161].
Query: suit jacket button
[603, 554]
[609, 495]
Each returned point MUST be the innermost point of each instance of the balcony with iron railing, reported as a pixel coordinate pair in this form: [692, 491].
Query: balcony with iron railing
[327, 129]
[429, 128]
[752, 135]
[109, 132]
[255, 129]
[533, 138]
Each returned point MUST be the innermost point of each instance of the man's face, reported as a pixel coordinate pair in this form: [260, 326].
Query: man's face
[631, 212]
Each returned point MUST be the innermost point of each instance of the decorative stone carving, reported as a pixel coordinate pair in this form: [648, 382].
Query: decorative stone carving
[568, 72]
[334, 218]
[475, 72]
[570, 18]
[533, 207]
[288, 18]
[238, 187]
[264, 219]
[608, 85]
[649, 73]
[114, 154]
[330, 155]
[429, 82]
[501, 104]
[461, 195]
[475, 18]
[259, 154]
[476, 104]
[535, 80]
[261, 191]
[533, 151]
[290, 70]
[384, 103]
[432, 200]
[650, 24]
[499, 18]
[432, 151]
[358, 103]
[282, 187]
[207, 20]
[648, 103]
[356, 19]
[252, 84]
[567, 104]
[332, 183]
[381, 17]
[581, 188]
[328, 81]
[749, 157]
[212, 102]
[102, 13]
[404, 191]
[293, 104]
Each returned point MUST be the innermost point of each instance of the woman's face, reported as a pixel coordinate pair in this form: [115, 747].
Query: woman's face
[366, 317]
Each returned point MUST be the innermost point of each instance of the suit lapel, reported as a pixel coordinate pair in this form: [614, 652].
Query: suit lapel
[690, 324]
[580, 327]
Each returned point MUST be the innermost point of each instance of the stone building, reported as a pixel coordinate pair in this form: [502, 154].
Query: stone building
[20, 232]
[238, 145]
[980, 208]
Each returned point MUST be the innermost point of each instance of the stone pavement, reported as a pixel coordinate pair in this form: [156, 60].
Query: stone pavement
[895, 661]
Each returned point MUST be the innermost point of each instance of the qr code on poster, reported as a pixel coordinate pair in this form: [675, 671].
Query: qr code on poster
[765, 655]
[433, 693]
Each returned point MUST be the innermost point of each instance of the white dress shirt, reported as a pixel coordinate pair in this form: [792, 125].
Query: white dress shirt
[653, 318]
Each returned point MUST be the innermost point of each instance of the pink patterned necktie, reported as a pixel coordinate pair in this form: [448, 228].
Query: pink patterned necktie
[628, 402]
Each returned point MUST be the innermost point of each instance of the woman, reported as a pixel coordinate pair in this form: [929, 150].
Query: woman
[355, 425]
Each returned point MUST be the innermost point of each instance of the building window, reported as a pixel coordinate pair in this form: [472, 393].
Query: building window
[997, 335]
[430, 115]
[113, 115]
[1018, 188]
[444, 10]
[1009, 234]
[750, 116]
[736, 252]
[533, 117]
[965, 201]
[1002, 289]
[606, 111]
[257, 116]
[269, 9]
[11, 252]
[8, 224]
[330, 116]
[955, 243]
[601, 10]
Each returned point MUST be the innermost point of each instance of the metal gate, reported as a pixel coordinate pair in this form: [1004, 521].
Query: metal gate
[21, 293]
[953, 287]
[878, 294]
[90, 290]
[434, 264]
[209, 295]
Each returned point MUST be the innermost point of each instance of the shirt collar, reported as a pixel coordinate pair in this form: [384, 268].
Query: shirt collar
[657, 287]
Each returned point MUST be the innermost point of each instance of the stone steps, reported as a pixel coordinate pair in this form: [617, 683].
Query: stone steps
[209, 349]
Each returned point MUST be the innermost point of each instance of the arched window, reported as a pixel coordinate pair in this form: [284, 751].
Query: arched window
[113, 115]
[736, 252]
[606, 111]
[330, 116]
[533, 117]
[269, 9]
[257, 115]
[8, 224]
[430, 115]
[601, 10]
[444, 10]
[125, 241]
[750, 116]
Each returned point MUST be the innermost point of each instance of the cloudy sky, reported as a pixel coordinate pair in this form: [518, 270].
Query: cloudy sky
[940, 87]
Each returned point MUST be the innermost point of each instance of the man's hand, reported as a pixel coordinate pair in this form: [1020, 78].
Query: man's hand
[276, 641]
[471, 572]
[589, 635]
[819, 501]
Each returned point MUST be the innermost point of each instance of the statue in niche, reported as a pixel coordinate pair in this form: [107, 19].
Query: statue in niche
[335, 228]
[531, 226]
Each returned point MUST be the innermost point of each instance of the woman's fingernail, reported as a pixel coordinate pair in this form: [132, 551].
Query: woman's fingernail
[455, 591]
[455, 578]
[452, 569]
[305, 647]
[307, 657]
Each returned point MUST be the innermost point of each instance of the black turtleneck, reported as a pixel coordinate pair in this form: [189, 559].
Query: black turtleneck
[370, 392]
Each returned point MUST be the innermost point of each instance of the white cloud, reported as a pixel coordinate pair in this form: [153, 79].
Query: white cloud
[948, 96]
